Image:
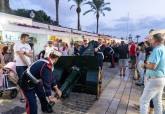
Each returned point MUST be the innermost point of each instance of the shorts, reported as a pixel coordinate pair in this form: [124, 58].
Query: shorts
[123, 63]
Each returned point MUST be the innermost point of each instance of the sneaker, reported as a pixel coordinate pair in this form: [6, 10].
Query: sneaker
[22, 100]
[139, 83]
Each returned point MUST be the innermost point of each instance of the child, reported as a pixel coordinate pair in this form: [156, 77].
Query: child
[11, 68]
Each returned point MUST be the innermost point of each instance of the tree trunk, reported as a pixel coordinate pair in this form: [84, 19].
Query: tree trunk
[57, 12]
[97, 17]
[78, 18]
[4, 6]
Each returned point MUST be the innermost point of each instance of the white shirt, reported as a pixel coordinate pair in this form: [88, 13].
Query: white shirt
[48, 50]
[19, 46]
[71, 51]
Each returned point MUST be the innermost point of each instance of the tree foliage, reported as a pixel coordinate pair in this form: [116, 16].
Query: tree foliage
[40, 16]
[98, 7]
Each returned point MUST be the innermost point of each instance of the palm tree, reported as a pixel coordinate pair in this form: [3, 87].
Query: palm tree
[78, 10]
[57, 11]
[137, 37]
[98, 7]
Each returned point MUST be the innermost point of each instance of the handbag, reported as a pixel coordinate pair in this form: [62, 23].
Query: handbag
[136, 74]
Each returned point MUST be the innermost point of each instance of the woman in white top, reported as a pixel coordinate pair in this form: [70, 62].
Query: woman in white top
[64, 49]
[141, 59]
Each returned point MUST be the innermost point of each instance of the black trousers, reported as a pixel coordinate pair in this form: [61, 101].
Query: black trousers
[112, 60]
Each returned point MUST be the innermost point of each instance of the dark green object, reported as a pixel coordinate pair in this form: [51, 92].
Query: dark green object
[78, 74]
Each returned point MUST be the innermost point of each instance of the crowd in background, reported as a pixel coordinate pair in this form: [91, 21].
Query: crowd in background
[112, 51]
[139, 54]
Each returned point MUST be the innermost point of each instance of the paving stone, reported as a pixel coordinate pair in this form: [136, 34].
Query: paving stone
[81, 103]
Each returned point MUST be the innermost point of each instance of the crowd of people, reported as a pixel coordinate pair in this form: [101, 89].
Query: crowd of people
[147, 58]
[112, 52]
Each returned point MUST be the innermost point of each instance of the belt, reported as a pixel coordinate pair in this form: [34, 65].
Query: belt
[34, 79]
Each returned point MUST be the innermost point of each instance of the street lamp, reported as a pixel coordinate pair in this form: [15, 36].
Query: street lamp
[130, 37]
[32, 15]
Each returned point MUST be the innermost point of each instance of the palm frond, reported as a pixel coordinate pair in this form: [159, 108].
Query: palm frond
[105, 4]
[91, 4]
[102, 12]
[77, 2]
[106, 9]
[95, 12]
[72, 6]
[91, 10]
[98, 3]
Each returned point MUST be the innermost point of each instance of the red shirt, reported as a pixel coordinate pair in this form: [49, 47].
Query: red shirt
[132, 50]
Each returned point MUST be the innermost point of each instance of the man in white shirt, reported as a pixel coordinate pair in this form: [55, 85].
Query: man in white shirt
[23, 56]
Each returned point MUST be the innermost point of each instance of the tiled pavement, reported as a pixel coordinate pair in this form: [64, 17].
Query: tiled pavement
[77, 103]
[120, 96]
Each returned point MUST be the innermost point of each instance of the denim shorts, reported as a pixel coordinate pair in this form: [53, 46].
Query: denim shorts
[123, 62]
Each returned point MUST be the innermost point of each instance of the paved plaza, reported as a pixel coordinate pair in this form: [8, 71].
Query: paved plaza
[119, 96]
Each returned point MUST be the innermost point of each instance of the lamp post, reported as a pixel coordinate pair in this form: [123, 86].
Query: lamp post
[32, 16]
[130, 37]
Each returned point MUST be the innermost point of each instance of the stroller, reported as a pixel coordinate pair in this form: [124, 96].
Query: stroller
[9, 83]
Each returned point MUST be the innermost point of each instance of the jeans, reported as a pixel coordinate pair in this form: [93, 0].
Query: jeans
[20, 70]
[141, 71]
[31, 101]
[153, 90]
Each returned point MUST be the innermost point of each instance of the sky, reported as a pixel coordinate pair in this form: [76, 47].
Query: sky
[134, 17]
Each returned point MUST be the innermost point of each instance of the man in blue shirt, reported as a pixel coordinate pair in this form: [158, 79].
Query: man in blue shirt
[155, 75]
